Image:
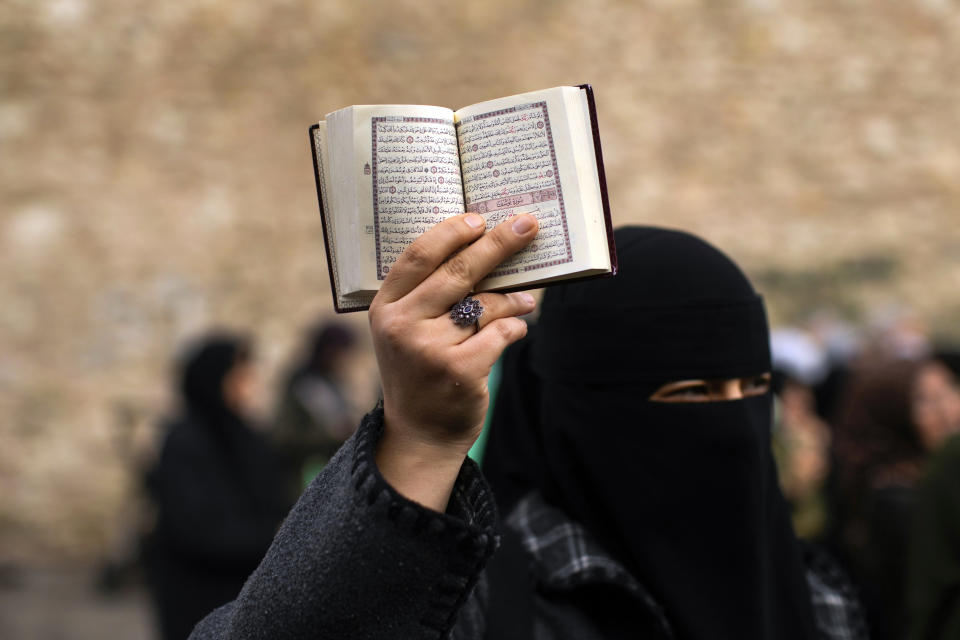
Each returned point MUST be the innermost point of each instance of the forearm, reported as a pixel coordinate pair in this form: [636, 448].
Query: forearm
[356, 559]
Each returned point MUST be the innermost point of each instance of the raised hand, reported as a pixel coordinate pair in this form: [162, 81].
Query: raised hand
[434, 373]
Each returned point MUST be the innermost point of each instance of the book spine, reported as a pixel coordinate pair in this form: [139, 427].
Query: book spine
[601, 174]
[327, 240]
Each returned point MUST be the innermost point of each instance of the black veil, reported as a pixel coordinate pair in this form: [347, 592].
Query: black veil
[684, 495]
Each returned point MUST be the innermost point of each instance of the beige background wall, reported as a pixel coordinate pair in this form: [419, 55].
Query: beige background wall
[155, 178]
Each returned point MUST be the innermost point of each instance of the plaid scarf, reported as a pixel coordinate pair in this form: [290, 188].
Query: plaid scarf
[566, 556]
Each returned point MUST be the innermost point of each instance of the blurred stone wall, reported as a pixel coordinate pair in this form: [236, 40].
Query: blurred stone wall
[155, 179]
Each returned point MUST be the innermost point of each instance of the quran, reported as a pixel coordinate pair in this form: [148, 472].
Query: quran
[387, 173]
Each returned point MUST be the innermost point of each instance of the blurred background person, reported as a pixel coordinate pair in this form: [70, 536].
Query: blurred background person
[315, 414]
[802, 361]
[217, 488]
[936, 403]
[817, 354]
[891, 420]
[896, 331]
[933, 576]
[801, 444]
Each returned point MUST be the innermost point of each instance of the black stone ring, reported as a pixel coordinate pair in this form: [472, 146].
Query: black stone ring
[466, 312]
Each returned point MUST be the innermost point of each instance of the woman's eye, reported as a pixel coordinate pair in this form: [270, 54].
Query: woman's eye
[689, 393]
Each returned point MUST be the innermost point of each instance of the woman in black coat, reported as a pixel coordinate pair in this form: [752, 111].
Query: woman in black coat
[217, 489]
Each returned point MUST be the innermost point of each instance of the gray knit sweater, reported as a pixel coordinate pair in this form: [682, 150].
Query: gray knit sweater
[355, 559]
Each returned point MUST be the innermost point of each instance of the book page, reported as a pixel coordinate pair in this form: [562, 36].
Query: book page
[403, 173]
[517, 156]
[343, 302]
[416, 180]
[410, 177]
[323, 161]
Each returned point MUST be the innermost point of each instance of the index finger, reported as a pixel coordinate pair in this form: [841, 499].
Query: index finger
[460, 274]
[428, 252]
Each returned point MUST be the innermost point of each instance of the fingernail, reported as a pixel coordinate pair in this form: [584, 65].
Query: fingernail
[522, 224]
[527, 299]
[475, 221]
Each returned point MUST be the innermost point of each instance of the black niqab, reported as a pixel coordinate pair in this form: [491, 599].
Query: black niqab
[684, 495]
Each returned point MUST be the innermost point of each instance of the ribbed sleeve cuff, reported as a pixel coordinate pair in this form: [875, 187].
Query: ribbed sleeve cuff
[465, 533]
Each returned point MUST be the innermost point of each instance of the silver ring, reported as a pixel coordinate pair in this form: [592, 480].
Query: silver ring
[466, 312]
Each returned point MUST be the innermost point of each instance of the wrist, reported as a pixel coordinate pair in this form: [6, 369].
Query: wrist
[446, 434]
[420, 470]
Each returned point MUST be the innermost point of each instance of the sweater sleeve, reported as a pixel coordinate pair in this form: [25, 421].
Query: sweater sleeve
[355, 559]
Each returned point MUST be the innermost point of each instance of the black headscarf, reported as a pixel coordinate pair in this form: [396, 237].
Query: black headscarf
[327, 342]
[205, 369]
[245, 453]
[684, 495]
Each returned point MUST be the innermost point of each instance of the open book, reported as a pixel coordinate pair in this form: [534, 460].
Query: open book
[387, 173]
